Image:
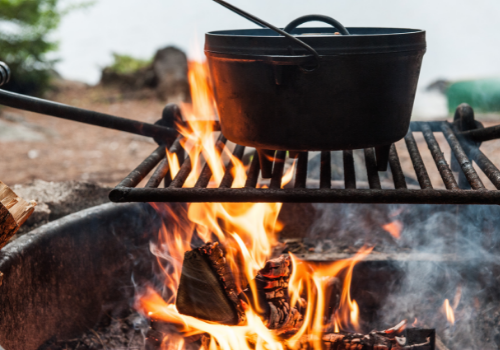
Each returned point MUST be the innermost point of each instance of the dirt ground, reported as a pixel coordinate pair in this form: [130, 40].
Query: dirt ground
[34, 146]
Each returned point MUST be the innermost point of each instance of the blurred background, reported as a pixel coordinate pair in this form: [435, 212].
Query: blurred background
[128, 58]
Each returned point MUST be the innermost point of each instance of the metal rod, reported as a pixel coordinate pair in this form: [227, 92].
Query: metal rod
[397, 171]
[63, 111]
[228, 178]
[182, 175]
[434, 125]
[462, 158]
[159, 174]
[279, 164]
[144, 168]
[349, 172]
[253, 172]
[325, 171]
[301, 174]
[408, 196]
[371, 169]
[480, 135]
[163, 168]
[490, 169]
[206, 172]
[416, 159]
[270, 26]
[437, 154]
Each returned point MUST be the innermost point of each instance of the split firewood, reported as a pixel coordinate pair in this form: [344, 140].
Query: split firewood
[207, 289]
[14, 211]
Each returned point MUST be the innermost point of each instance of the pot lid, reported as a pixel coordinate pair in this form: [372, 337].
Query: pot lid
[363, 40]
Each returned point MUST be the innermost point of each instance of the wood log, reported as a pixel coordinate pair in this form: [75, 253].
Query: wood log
[14, 211]
[207, 289]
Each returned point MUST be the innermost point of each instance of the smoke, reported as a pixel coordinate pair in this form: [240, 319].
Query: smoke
[444, 252]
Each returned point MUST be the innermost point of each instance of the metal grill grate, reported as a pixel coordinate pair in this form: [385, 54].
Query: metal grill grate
[468, 189]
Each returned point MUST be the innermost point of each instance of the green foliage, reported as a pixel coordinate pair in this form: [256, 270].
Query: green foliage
[25, 26]
[125, 64]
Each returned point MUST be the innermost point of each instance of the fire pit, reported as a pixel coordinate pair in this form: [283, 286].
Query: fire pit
[60, 278]
[211, 278]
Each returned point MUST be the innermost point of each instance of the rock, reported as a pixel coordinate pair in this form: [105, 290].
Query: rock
[170, 69]
[166, 77]
[58, 199]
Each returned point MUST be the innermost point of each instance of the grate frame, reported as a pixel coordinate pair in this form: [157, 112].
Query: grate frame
[463, 141]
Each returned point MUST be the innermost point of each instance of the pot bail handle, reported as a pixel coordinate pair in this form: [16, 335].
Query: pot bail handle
[320, 18]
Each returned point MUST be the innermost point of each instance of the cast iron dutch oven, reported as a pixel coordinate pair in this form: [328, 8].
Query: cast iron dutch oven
[356, 89]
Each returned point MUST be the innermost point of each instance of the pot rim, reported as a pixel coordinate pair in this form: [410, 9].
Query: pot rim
[362, 40]
[327, 30]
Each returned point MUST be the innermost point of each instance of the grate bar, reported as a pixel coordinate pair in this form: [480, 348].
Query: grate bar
[371, 169]
[416, 159]
[349, 172]
[228, 178]
[182, 175]
[163, 168]
[325, 175]
[437, 154]
[310, 195]
[462, 158]
[485, 134]
[206, 172]
[144, 168]
[279, 164]
[490, 170]
[396, 170]
[253, 173]
[301, 172]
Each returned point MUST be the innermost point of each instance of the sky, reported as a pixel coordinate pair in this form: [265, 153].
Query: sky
[463, 36]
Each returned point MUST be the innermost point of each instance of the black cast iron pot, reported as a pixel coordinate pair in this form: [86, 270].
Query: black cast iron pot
[358, 91]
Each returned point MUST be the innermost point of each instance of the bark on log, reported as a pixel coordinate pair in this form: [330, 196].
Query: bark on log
[14, 211]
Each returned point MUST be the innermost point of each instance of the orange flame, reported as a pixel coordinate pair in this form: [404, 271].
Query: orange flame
[173, 163]
[450, 315]
[394, 228]
[248, 233]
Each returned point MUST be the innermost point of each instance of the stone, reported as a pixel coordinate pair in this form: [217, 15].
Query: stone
[170, 68]
[58, 199]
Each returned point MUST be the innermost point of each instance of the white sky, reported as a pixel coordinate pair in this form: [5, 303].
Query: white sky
[463, 36]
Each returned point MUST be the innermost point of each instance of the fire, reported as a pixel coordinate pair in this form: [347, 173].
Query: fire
[394, 228]
[450, 315]
[173, 163]
[248, 232]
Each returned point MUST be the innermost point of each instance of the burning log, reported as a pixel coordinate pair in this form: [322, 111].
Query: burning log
[272, 285]
[14, 211]
[396, 338]
[207, 289]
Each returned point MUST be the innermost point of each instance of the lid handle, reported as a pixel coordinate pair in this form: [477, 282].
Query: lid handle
[320, 18]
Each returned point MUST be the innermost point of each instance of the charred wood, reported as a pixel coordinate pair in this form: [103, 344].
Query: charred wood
[207, 289]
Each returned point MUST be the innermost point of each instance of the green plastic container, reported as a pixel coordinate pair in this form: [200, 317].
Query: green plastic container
[483, 95]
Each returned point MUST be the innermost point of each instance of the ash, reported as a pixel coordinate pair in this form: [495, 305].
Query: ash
[113, 332]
